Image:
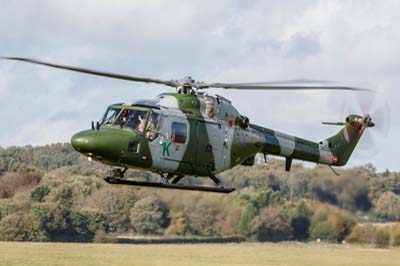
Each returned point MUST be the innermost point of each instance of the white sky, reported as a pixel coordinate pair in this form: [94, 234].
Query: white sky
[353, 42]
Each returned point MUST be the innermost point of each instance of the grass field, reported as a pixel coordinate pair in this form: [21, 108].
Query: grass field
[33, 254]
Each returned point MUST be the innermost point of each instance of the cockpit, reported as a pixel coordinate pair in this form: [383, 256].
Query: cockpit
[133, 119]
[144, 121]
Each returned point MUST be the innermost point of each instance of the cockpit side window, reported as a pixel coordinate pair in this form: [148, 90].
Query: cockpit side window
[110, 115]
[154, 126]
[133, 119]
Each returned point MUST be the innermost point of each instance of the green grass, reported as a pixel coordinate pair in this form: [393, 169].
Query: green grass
[200, 254]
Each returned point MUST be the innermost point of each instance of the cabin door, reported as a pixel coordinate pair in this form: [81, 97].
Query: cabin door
[209, 153]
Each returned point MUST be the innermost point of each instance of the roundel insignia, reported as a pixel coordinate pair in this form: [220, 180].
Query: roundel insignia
[332, 159]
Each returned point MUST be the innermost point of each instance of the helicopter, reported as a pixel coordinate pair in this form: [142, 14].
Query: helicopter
[194, 133]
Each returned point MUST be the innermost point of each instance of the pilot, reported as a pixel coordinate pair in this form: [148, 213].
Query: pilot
[142, 122]
[124, 118]
[185, 89]
[150, 134]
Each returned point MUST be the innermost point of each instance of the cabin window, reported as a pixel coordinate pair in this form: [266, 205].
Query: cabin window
[179, 132]
[210, 105]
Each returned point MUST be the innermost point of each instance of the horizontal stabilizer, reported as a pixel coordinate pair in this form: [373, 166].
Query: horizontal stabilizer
[334, 123]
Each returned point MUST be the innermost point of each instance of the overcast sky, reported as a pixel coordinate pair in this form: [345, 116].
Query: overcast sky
[352, 42]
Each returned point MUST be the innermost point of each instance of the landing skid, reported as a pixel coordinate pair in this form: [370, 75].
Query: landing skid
[112, 180]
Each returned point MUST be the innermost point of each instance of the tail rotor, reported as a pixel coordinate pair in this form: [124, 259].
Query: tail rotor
[372, 106]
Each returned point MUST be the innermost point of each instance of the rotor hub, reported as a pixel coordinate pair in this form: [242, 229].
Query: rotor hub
[186, 85]
[368, 121]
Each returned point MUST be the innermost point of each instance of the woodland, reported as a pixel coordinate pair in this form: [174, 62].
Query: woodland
[51, 193]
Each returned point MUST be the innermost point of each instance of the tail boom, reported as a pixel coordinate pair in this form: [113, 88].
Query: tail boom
[335, 150]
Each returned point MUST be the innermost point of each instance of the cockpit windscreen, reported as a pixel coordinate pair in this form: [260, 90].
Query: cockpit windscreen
[110, 115]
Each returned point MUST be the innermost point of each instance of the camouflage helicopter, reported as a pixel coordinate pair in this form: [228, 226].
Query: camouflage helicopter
[193, 133]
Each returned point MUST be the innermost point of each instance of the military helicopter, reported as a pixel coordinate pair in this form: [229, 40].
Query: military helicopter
[193, 133]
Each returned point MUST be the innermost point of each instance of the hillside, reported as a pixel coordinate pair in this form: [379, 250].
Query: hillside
[51, 193]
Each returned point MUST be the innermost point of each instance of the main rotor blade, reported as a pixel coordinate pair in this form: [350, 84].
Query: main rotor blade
[94, 72]
[302, 84]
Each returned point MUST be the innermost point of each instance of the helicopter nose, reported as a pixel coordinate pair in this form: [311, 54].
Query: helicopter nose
[84, 142]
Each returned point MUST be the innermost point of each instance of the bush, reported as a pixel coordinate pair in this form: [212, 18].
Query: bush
[149, 216]
[100, 236]
[39, 193]
[14, 228]
[245, 219]
[331, 224]
[205, 215]
[179, 224]
[395, 239]
[382, 237]
[230, 225]
[12, 182]
[80, 223]
[300, 222]
[265, 198]
[326, 231]
[40, 217]
[24, 226]
[271, 225]
[362, 234]
[114, 204]
[388, 207]
[356, 235]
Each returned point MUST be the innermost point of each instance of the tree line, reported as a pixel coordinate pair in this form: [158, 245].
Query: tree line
[51, 193]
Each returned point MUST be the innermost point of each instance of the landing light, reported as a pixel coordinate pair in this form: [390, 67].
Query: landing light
[89, 158]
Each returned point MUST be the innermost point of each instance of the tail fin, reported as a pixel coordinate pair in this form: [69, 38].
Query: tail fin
[344, 142]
